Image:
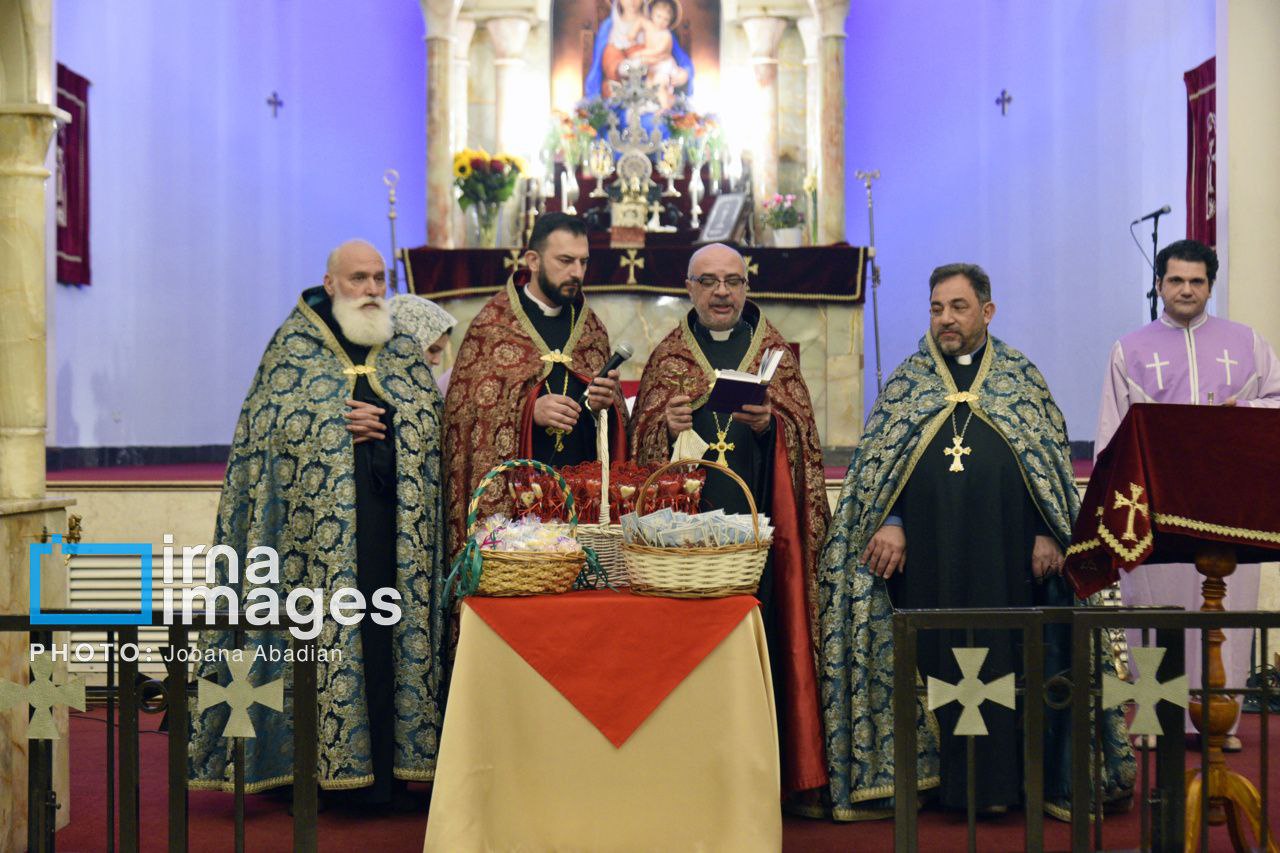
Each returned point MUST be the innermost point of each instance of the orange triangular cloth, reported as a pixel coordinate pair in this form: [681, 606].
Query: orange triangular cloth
[615, 656]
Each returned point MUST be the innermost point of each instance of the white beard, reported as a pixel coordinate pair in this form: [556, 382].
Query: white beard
[362, 326]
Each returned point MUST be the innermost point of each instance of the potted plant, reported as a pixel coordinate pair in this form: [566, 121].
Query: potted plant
[784, 219]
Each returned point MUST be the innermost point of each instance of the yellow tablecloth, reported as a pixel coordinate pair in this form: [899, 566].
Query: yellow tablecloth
[521, 769]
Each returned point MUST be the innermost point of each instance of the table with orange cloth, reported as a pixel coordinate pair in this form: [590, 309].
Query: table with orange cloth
[608, 721]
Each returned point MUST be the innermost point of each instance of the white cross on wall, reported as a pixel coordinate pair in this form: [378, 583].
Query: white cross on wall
[1226, 361]
[1157, 364]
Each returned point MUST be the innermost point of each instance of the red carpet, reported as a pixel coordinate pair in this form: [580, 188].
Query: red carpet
[269, 827]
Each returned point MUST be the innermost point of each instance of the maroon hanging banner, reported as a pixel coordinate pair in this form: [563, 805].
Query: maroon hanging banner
[1202, 153]
[73, 179]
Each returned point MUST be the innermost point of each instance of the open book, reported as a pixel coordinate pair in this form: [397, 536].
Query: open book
[735, 388]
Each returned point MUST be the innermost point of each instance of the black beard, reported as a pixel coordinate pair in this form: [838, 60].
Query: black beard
[554, 293]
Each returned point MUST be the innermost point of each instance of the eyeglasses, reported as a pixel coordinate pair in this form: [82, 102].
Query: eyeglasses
[710, 282]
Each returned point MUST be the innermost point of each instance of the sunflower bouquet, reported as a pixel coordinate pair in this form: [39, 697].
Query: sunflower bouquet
[484, 182]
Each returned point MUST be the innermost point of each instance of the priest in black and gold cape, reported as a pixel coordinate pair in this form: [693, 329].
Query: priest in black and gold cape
[959, 495]
[336, 464]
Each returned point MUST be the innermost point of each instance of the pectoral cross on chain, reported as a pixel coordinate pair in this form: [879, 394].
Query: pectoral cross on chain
[1132, 502]
[720, 446]
[955, 451]
[1226, 361]
[1157, 364]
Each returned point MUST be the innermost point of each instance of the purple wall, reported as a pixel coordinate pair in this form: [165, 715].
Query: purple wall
[1041, 198]
[209, 216]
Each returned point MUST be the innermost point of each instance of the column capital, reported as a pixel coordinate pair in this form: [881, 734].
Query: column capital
[831, 16]
[764, 33]
[440, 17]
[508, 34]
[810, 35]
[464, 30]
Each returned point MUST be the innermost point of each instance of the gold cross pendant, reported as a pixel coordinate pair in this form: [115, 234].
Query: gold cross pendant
[720, 447]
[558, 435]
[955, 451]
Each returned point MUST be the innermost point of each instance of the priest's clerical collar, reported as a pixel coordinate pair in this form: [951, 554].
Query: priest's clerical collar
[721, 336]
[969, 358]
[547, 310]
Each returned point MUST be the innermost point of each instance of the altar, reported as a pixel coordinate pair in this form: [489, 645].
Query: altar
[664, 125]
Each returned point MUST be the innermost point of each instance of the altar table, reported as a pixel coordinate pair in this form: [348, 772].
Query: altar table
[695, 768]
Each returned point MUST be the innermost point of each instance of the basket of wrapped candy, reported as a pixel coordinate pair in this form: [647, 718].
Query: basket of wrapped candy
[708, 555]
[524, 556]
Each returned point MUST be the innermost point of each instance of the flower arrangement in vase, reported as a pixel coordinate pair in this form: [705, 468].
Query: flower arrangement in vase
[484, 183]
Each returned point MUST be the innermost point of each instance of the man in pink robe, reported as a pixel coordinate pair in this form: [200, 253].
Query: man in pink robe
[1188, 356]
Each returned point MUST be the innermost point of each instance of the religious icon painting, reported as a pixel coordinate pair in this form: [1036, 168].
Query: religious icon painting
[677, 40]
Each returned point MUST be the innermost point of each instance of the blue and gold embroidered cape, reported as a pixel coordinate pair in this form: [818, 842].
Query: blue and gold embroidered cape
[855, 615]
[290, 485]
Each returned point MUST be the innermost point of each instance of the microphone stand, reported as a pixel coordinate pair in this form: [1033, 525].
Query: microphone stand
[867, 178]
[1155, 277]
[391, 177]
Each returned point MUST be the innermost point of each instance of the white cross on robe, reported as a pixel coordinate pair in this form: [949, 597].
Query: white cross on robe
[1158, 364]
[1226, 361]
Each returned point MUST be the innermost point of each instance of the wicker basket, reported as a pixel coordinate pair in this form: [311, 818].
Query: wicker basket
[605, 538]
[509, 573]
[697, 572]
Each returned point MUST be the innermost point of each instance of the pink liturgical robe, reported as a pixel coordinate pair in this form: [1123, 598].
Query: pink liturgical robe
[1211, 360]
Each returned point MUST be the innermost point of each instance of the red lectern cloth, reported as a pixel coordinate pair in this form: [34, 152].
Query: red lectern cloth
[615, 656]
[1174, 476]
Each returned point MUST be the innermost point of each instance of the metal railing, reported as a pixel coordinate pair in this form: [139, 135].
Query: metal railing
[42, 804]
[1162, 804]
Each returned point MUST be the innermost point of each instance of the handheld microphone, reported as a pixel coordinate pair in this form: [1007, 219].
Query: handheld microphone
[1152, 215]
[621, 354]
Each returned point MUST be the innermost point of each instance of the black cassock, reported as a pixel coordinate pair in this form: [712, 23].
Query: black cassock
[970, 536]
[375, 476]
[751, 457]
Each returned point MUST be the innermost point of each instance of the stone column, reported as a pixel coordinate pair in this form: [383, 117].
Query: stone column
[763, 35]
[831, 18]
[1248, 184]
[25, 132]
[27, 124]
[1248, 175]
[459, 100]
[810, 35]
[440, 17]
[508, 36]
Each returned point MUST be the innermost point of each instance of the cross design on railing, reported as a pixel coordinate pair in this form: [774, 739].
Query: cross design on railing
[43, 695]
[971, 692]
[240, 695]
[1135, 506]
[1146, 691]
[751, 268]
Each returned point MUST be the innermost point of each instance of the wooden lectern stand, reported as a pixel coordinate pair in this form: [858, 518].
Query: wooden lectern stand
[1146, 502]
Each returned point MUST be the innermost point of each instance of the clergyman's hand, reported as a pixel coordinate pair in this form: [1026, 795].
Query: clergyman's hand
[1230, 401]
[364, 422]
[603, 391]
[886, 553]
[679, 414]
[556, 411]
[759, 418]
[1046, 558]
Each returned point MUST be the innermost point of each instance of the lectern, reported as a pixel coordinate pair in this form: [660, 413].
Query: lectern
[1181, 484]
